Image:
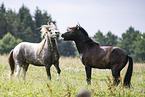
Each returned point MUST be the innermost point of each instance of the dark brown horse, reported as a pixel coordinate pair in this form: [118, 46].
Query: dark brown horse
[94, 56]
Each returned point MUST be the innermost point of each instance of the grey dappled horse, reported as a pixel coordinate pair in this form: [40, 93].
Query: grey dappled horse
[44, 53]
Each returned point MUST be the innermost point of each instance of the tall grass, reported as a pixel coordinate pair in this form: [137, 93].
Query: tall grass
[72, 80]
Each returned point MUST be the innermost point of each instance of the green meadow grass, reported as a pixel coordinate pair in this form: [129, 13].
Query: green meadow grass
[72, 80]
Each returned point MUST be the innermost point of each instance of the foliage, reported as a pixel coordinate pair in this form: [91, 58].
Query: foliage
[127, 40]
[7, 43]
[72, 80]
[99, 37]
[2, 21]
[66, 48]
[139, 51]
[133, 43]
[108, 40]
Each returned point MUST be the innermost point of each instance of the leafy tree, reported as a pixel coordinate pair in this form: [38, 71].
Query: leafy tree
[139, 49]
[111, 39]
[99, 37]
[11, 19]
[7, 43]
[38, 17]
[108, 40]
[2, 21]
[26, 26]
[127, 40]
[66, 48]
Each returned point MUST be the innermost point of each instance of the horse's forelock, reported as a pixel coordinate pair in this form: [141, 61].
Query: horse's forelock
[72, 27]
[79, 28]
[76, 27]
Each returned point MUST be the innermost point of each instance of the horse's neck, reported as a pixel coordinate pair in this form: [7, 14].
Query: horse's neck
[48, 43]
[54, 44]
[83, 44]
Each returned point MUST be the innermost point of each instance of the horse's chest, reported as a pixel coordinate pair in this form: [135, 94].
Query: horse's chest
[55, 56]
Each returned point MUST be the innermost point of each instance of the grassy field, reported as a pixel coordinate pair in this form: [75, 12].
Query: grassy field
[72, 80]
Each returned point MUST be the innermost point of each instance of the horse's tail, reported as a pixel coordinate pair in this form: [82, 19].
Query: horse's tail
[128, 75]
[11, 63]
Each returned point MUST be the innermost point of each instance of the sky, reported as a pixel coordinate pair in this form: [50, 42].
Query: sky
[93, 15]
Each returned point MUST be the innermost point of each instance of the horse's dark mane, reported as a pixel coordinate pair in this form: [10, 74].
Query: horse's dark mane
[83, 30]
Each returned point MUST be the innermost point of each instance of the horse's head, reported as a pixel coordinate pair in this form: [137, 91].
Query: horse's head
[74, 33]
[49, 30]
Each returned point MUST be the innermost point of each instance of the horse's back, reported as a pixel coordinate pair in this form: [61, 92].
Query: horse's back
[102, 57]
[26, 51]
[24, 47]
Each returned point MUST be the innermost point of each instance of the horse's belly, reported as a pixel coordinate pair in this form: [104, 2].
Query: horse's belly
[101, 64]
[37, 62]
[96, 63]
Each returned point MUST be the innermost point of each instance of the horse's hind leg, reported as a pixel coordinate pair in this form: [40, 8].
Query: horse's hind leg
[58, 69]
[116, 75]
[24, 70]
[18, 71]
[19, 63]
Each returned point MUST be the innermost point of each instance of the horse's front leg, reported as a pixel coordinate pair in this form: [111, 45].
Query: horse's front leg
[88, 74]
[48, 71]
[58, 69]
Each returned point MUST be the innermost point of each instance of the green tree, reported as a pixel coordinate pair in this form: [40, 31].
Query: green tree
[7, 43]
[38, 17]
[99, 37]
[26, 27]
[139, 49]
[2, 21]
[111, 39]
[66, 48]
[108, 40]
[127, 40]
[11, 19]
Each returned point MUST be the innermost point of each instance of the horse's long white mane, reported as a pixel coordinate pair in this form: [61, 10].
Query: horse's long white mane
[50, 29]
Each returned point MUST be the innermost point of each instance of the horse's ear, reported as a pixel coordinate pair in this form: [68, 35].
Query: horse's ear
[79, 24]
[78, 27]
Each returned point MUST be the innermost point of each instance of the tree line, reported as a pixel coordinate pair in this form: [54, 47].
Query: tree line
[22, 26]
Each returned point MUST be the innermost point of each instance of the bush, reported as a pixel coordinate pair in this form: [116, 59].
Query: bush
[7, 43]
[66, 48]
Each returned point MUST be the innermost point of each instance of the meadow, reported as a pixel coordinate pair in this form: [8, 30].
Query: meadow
[71, 81]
